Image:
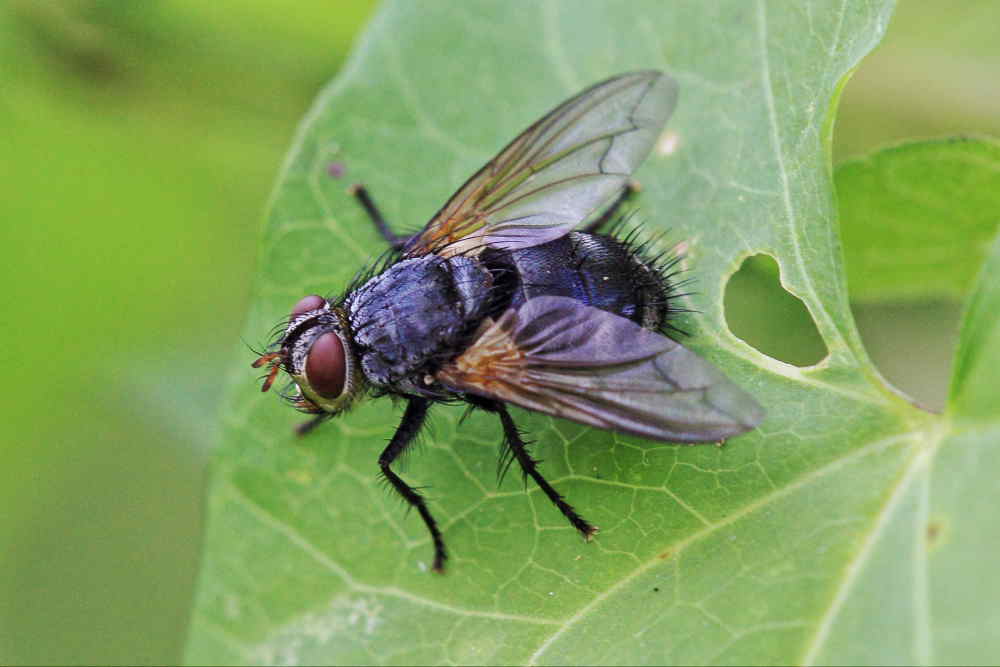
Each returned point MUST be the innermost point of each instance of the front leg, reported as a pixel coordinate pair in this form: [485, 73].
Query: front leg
[406, 432]
[307, 427]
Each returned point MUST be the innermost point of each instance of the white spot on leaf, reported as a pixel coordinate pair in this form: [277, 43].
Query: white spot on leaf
[308, 638]
[668, 143]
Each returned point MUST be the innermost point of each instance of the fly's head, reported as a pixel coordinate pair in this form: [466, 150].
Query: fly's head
[316, 351]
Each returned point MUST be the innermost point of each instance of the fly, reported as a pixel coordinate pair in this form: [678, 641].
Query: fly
[501, 299]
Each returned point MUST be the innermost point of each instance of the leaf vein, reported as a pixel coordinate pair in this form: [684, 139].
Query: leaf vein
[855, 566]
[677, 547]
[323, 559]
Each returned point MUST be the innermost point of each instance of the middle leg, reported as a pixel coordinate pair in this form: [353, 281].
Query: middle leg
[406, 432]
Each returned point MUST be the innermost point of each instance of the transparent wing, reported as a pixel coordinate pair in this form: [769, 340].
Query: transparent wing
[560, 357]
[557, 172]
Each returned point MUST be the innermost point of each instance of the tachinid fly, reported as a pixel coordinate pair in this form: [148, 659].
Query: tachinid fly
[500, 299]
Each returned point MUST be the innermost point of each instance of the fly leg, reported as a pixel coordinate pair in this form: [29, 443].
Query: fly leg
[631, 187]
[530, 467]
[413, 421]
[361, 194]
[308, 426]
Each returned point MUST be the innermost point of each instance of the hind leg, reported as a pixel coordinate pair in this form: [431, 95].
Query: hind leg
[627, 193]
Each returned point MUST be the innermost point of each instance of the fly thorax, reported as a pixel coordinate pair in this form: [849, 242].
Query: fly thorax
[416, 316]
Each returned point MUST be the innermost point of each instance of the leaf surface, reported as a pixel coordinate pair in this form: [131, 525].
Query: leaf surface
[917, 219]
[759, 551]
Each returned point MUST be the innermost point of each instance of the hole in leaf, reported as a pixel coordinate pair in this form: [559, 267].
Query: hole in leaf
[763, 314]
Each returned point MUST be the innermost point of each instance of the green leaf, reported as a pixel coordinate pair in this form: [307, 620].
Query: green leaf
[917, 219]
[767, 550]
[973, 385]
[924, 559]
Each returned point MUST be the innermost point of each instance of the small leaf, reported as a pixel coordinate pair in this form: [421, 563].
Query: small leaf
[974, 382]
[917, 219]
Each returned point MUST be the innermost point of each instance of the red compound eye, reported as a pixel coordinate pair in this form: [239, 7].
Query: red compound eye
[307, 303]
[326, 366]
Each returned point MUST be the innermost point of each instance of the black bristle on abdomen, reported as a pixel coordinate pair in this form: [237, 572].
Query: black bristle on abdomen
[618, 275]
[655, 271]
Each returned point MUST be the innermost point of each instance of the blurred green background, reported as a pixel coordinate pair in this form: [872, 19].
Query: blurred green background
[139, 144]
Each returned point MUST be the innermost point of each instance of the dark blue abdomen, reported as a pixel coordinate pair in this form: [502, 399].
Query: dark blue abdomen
[596, 270]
